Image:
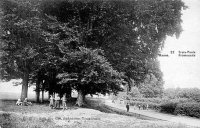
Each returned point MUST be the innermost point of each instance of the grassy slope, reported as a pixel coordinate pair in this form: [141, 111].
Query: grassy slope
[41, 116]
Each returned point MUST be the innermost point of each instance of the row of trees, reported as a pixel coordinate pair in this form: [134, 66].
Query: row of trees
[189, 93]
[90, 46]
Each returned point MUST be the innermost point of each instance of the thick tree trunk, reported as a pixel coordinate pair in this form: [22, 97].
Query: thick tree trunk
[24, 91]
[129, 85]
[69, 93]
[37, 92]
[49, 94]
[80, 99]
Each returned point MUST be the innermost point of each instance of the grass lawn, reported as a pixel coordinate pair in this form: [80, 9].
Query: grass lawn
[41, 116]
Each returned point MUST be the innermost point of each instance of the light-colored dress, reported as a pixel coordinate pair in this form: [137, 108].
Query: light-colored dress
[51, 102]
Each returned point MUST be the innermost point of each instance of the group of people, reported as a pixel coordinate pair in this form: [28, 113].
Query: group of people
[144, 107]
[55, 102]
[24, 103]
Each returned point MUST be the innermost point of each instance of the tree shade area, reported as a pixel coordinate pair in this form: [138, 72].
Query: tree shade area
[92, 46]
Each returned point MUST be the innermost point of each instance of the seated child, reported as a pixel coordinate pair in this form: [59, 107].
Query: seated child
[26, 103]
[19, 102]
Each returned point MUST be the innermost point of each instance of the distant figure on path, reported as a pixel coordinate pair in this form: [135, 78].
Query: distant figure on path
[139, 106]
[127, 107]
[143, 106]
[19, 102]
[64, 101]
[57, 101]
[51, 104]
[147, 107]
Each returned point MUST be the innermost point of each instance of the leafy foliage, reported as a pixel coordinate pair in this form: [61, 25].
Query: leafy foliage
[130, 32]
[152, 100]
[153, 106]
[190, 109]
[168, 107]
[20, 39]
[135, 92]
[88, 70]
[188, 93]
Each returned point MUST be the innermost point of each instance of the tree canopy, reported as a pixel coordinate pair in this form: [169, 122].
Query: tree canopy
[130, 32]
[89, 71]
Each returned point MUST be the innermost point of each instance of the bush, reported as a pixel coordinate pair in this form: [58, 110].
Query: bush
[153, 106]
[168, 107]
[153, 103]
[135, 92]
[188, 109]
[149, 100]
[182, 100]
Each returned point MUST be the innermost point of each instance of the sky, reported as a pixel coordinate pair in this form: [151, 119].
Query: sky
[183, 72]
[8, 87]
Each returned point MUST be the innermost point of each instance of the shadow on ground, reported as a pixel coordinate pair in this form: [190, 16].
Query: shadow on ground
[99, 104]
[91, 103]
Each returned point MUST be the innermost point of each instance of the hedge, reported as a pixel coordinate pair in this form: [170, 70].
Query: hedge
[151, 100]
[182, 100]
[188, 109]
[153, 106]
[168, 107]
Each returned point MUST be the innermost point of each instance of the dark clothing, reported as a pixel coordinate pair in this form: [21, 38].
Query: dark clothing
[127, 107]
[57, 104]
[139, 107]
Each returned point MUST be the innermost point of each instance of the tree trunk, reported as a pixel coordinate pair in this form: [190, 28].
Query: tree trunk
[42, 96]
[24, 91]
[130, 84]
[80, 99]
[37, 92]
[69, 93]
[49, 94]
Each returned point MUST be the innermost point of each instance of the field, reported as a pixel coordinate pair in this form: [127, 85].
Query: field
[41, 116]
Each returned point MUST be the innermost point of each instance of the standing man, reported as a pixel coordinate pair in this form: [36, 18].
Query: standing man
[127, 107]
[147, 107]
[64, 101]
[139, 106]
[57, 101]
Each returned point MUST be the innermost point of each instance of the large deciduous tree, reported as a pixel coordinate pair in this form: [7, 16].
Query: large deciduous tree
[89, 72]
[20, 41]
[130, 32]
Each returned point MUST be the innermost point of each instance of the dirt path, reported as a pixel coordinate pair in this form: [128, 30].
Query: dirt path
[150, 113]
